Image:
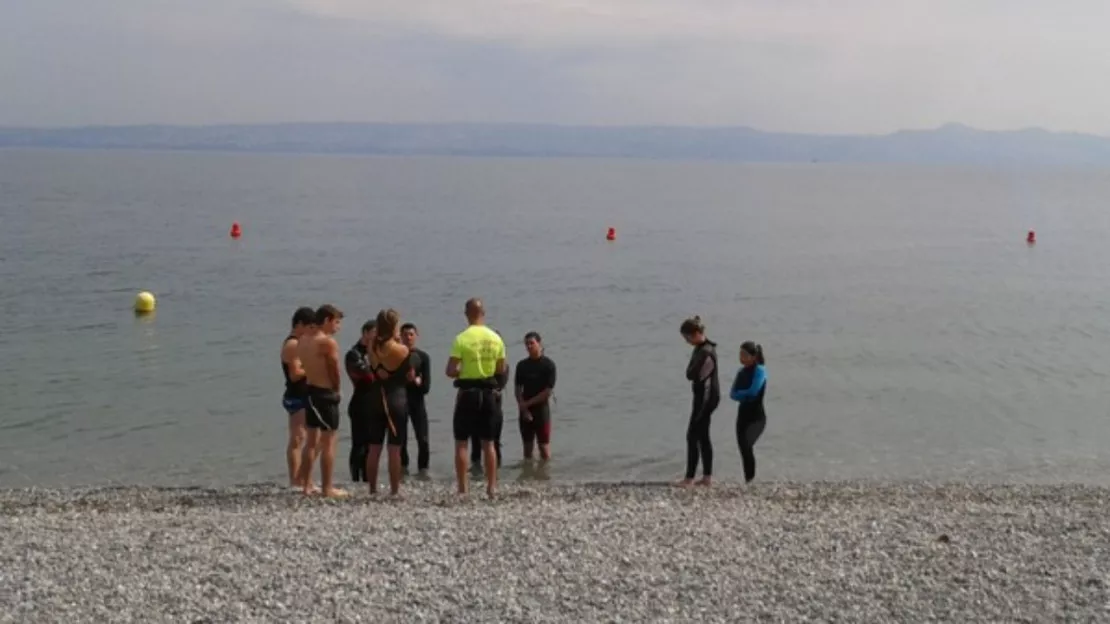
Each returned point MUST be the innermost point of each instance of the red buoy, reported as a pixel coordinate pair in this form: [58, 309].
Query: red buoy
[1031, 237]
[236, 231]
[611, 235]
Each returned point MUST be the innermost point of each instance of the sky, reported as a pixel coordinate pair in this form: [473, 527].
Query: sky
[814, 66]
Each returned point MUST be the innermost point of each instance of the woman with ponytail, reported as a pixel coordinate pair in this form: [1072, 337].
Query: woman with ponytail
[388, 404]
[706, 387]
[748, 390]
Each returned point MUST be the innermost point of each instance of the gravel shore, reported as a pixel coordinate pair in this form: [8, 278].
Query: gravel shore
[784, 552]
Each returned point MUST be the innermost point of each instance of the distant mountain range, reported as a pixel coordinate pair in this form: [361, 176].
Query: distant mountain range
[950, 144]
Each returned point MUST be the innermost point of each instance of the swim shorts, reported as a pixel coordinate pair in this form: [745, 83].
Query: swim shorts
[476, 415]
[292, 405]
[322, 411]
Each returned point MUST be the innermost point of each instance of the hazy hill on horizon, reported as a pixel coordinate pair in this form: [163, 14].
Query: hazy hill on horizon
[949, 144]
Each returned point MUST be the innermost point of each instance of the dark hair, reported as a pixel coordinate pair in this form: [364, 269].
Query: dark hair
[474, 308]
[533, 336]
[753, 349]
[369, 325]
[303, 316]
[326, 313]
[387, 326]
[692, 326]
[408, 326]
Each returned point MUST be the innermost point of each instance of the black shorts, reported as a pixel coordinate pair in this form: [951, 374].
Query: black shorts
[539, 428]
[322, 410]
[476, 415]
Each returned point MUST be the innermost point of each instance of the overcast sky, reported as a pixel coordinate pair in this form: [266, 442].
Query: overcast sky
[829, 66]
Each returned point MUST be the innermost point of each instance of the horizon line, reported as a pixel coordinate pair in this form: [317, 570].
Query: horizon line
[954, 125]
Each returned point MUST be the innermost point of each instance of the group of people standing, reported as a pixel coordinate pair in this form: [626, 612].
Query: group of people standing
[391, 377]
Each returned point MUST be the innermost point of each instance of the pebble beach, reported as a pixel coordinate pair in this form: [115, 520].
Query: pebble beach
[635, 552]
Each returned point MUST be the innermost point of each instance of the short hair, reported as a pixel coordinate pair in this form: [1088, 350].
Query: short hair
[326, 313]
[303, 316]
[533, 336]
[474, 308]
[408, 326]
[369, 325]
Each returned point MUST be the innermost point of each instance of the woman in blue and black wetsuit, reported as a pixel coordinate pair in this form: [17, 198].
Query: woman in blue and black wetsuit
[706, 386]
[748, 389]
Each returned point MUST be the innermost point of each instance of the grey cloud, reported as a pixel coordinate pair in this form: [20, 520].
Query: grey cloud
[789, 65]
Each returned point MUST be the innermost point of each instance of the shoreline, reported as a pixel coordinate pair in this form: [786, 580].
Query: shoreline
[441, 494]
[561, 552]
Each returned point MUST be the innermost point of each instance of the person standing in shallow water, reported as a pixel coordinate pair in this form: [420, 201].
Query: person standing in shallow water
[392, 368]
[535, 381]
[748, 389]
[477, 358]
[295, 397]
[502, 380]
[362, 379]
[417, 389]
[705, 384]
[319, 354]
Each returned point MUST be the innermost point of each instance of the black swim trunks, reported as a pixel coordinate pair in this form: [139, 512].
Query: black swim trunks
[323, 409]
[477, 413]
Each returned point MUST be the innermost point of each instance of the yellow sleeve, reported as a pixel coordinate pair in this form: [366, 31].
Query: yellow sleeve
[500, 348]
[456, 348]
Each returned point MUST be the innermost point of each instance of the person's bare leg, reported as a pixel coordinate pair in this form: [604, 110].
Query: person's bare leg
[307, 459]
[545, 452]
[373, 458]
[490, 453]
[327, 465]
[294, 448]
[462, 460]
[394, 469]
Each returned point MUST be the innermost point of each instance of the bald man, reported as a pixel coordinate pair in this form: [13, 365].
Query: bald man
[477, 358]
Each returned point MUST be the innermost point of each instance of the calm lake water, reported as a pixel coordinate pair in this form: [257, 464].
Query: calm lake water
[909, 330]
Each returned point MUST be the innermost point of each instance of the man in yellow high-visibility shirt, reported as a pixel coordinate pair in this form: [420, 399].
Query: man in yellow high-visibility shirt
[477, 357]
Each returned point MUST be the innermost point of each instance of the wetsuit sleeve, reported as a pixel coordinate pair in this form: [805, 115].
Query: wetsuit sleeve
[425, 373]
[356, 366]
[706, 370]
[759, 377]
[550, 375]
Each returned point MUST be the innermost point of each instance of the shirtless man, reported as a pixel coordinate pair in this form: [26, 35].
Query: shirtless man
[295, 396]
[319, 354]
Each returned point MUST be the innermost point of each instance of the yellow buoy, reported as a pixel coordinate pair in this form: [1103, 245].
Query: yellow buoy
[144, 303]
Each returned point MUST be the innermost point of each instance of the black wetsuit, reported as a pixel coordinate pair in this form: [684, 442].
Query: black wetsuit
[358, 369]
[748, 388]
[706, 386]
[295, 397]
[500, 381]
[533, 376]
[388, 407]
[418, 413]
